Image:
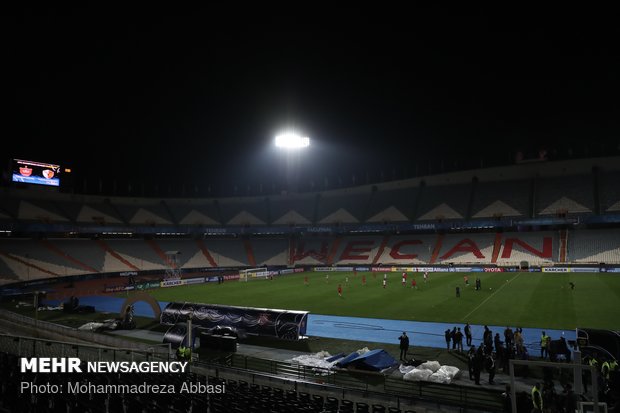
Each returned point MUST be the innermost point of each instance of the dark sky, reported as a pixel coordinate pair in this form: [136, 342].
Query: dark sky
[195, 100]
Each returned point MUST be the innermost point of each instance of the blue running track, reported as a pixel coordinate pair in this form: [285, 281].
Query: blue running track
[425, 334]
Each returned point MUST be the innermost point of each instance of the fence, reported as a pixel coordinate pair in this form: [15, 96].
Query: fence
[70, 332]
[368, 382]
[35, 347]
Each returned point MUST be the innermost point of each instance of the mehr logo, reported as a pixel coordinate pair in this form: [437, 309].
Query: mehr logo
[72, 365]
[51, 365]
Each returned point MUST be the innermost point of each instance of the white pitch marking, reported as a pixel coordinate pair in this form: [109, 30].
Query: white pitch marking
[491, 296]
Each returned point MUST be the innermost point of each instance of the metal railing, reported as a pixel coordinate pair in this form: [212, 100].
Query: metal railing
[70, 332]
[36, 347]
[368, 382]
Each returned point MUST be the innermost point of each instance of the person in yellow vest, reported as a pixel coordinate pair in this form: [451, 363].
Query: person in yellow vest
[544, 345]
[180, 352]
[593, 362]
[607, 367]
[184, 353]
[537, 401]
[586, 377]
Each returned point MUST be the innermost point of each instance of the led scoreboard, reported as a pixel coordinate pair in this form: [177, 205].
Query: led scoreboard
[38, 173]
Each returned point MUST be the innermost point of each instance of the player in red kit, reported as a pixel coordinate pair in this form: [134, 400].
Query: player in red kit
[414, 284]
[306, 280]
[363, 279]
[404, 279]
[340, 290]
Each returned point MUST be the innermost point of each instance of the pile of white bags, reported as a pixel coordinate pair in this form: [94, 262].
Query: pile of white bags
[430, 371]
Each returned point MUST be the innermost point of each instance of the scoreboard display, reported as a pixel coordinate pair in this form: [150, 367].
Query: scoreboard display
[38, 173]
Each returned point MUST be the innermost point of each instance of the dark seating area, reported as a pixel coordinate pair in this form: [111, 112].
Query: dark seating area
[238, 396]
[243, 397]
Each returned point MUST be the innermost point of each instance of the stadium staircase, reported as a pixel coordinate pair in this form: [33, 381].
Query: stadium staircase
[249, 252]
[27, 264]
[333, 250]
[368, 203]
[167, 262]
[218, 210]
[205, 251]
[472, 195]
[596, 190]
[533, 198]
[61, 211]
[117, 212]
[563, 245]
[291, 251]
[66, 256]
[104, 246]
[437, 248]
[315, 213]
[384, 243]
[418, 199]
[169, 211]
[497, 245]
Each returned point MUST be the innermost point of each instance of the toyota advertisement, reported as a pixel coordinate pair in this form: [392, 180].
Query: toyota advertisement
[38, 173]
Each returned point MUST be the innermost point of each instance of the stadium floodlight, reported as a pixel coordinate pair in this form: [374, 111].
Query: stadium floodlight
[291, 140]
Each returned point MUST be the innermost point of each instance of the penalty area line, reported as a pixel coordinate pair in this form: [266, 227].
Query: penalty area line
[489, 297]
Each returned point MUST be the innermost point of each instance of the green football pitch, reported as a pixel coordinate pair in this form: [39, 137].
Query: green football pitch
[543, 300]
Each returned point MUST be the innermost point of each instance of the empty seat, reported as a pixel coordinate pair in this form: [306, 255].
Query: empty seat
[317, 400]
[361, 407]
[378, 408]
[331, 401]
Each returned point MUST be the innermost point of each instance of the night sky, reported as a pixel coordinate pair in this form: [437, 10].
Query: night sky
[190, 104]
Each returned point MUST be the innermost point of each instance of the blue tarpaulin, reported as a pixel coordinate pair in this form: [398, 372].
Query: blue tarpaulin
[374, 360]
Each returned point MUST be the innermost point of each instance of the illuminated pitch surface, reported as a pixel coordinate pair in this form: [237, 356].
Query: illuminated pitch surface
[516, 299]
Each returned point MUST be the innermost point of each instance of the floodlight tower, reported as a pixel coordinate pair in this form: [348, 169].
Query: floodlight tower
[292, 145]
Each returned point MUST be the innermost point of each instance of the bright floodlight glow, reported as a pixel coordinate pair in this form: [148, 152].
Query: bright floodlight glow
[292, 140]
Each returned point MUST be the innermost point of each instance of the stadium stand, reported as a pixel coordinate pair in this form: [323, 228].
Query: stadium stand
[39, 211]
[244, 211]
[7, 275]
[444, 202]
[594, 247]
[227, 252]
[538, 248]
[186, 248]
[326, 228]
[270, 251]
[343, 207]
[610, 192]
[33, 259]
[193, 212]
[83, 250]
[292, 210]
[392, 205]
[144, 214]
[99, 213]
[467, 249]
[501, 199]
[565, 194]
[138, 253]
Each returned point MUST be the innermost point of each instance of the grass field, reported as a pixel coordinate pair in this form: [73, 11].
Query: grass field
[542, 300]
